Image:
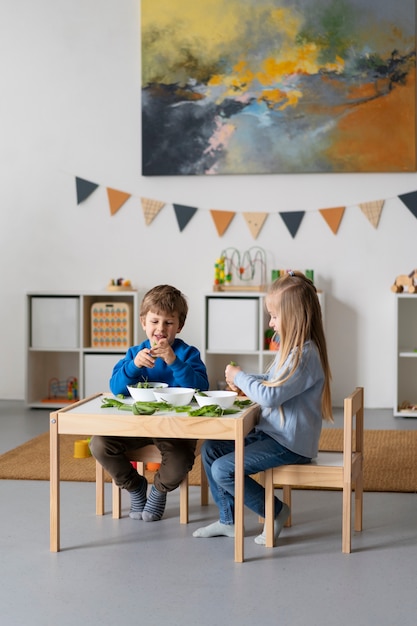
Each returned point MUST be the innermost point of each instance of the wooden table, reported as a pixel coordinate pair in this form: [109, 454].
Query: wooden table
[88, 418]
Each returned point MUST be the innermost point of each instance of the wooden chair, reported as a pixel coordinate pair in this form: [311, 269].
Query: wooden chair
[330, 469]
[148, 454]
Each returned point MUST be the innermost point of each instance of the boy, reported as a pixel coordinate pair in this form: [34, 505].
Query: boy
[162, 357]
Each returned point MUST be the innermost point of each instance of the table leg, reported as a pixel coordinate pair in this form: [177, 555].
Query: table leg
[239, 494]
[54, 484]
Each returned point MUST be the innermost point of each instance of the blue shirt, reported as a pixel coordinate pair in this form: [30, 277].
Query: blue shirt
[188, 370]
[299, 399]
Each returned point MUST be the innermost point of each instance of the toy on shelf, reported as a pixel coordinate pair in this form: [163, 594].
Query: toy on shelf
[62, 390]
[111, 325]
[403, 280]
[234, 271]
[119, 284]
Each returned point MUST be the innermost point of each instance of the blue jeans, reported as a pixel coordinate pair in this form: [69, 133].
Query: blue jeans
[261, 453]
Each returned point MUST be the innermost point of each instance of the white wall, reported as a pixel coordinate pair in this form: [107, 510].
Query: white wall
[70, 106]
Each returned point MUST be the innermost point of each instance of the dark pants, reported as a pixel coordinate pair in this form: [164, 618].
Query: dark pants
[115, 454]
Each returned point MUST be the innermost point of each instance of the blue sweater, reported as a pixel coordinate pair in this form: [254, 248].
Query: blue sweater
[299, 398]
[188, 370]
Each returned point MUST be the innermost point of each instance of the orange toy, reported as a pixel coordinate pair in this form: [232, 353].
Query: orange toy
[153, 467]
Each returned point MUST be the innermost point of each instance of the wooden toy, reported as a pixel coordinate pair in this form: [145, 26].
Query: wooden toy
[405, 281]
[120, 284]
[62, 390]
[111, 325]
[247, 269]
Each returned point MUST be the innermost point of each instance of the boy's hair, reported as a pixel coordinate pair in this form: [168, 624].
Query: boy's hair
[165, 299]
[295, 297]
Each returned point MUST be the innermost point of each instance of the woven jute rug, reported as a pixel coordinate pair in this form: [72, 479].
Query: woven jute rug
[390, 460]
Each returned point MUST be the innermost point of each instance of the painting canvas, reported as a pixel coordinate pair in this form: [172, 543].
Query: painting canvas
[277, 86]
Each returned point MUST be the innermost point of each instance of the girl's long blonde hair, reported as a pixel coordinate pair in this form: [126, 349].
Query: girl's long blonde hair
[295, 300]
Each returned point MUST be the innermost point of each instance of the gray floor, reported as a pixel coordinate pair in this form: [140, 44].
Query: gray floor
[125, 571]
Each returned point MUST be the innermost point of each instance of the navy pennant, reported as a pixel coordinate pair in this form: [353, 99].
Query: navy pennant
[410, 201]
[183, 214]
[292, 220]
[84, 189]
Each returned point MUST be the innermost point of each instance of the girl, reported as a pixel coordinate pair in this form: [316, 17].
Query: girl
[294, 396]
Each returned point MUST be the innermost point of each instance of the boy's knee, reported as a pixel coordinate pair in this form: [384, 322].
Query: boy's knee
[97, 446]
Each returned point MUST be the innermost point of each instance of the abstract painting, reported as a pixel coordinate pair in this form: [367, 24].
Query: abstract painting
[278, 86]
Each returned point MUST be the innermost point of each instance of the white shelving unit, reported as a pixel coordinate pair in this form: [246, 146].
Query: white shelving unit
[60, 344]
[234, 330]
[406, 355]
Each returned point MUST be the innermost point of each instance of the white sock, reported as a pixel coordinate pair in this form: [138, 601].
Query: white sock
[279, 524]
[217, 529]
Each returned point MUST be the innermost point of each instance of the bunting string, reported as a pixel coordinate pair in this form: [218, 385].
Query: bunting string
[255, 220]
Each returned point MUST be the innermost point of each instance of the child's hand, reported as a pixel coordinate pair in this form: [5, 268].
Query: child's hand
[164, 351]
[144, 358]
[230, 373]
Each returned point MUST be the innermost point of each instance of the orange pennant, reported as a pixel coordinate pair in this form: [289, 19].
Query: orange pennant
[373, 211]
[222, 220]
[151, 209]
[116, 199]
[333, 217]
[255, 221]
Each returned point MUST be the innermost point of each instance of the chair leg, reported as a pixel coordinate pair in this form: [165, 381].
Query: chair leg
[269, 507]
[184, 501]
[203, 485]
[286, 490]
[358, 503]
[346, 518]
[99, 489]
[261, 478]
[116, 501]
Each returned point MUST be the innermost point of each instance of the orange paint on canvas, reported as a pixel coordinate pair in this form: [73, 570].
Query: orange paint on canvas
[379, 135]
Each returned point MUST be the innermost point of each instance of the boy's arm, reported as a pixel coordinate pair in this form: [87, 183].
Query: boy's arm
[189, 370]
[126, 373]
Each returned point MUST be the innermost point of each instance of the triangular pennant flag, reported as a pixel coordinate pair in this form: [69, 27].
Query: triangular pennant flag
[372, 210]
[116, 199]
[333, 217]
[84, 189]
[292, 220]
[151, 209]
[410, 201]
[183, 214]
[222, 220]
[255, 221]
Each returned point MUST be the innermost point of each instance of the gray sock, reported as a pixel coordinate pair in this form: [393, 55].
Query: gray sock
[138, 500]
[155, 506]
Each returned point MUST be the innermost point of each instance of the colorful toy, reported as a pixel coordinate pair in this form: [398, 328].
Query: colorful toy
[111, 325]
[63, 390]
[119, 284]
[409, 281]
[245, 269]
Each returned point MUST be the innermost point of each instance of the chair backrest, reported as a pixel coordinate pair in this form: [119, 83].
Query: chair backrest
[352, 418]
[330, 468]
[340, 470]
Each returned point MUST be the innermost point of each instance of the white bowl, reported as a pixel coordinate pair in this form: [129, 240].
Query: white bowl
[225, 399]
[145, 394]
[177, 396]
